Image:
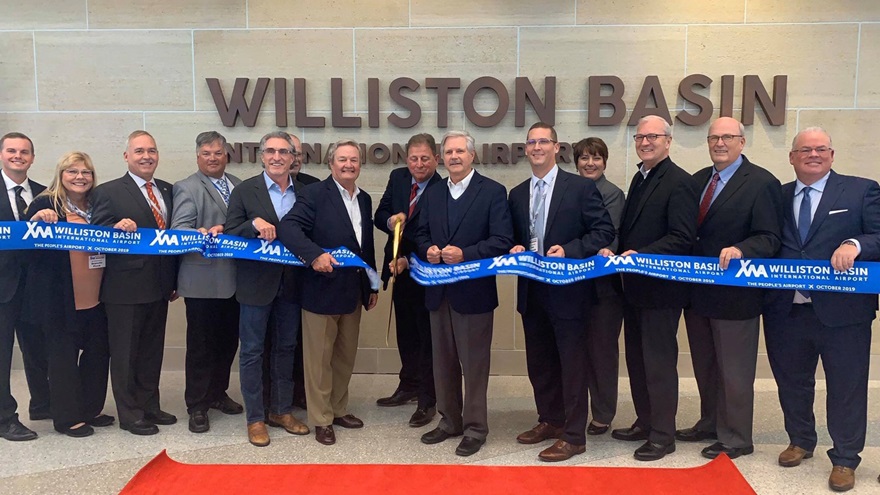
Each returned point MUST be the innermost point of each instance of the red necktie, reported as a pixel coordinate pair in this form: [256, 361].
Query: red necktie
[412, 200]
[154, 205]
[707, 198]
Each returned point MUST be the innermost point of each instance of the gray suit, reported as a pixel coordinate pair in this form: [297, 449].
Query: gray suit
[208, 288]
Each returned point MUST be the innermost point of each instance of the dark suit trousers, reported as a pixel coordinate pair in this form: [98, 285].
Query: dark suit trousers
[651, 359]
[462, 345]
[414, 340]
[211, 343]
[9, 312]
[725, 355]
[32, 340]
[137, 345]
[78, 381]
[794, 344]
[603, 335]
[557, 360]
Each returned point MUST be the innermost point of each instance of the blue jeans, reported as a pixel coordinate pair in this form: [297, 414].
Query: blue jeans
[255, 326]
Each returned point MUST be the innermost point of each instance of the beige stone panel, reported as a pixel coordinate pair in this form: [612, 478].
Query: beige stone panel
[388, 361]
[119, 70]
[811, 11]
[175, 326]
[573, 54]
[869, 72]
[422, 53]
[504, 329]
[17, 72]
[202, 14]
[43, 14]
[366, 361]
[819, 60]
[509, 13]
[635, 12]
[334, 13]
[101, 135]
[507, 363]
[852, 135]
[316, 55]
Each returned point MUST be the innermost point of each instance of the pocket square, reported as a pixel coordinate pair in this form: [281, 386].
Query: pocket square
[832, 212]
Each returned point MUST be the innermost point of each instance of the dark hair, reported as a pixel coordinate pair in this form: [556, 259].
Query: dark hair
[590, 146]
[16, 135]
[209, 137]
[544, 125]
[423, 138]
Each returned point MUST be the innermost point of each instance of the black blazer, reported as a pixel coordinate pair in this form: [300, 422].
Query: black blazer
[12, 262]
[663, 222]
[396, 200]
[306, 179]
[133, 279]
[578, 221]
[485, 231]
[257, 283]
[849, 209]
[746, 214]
[319, 220]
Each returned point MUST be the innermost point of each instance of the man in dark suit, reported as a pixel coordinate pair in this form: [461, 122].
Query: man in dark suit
[740, 216]
[659, 217]
[296, 167]
[330, 214]
[557, 214]
[827, 216]
[207, 285]
[466, 218]
[17, 156]
[400, 204]
[136, 289]
[269, 293]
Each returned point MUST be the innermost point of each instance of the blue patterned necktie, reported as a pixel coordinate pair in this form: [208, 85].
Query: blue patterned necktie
[223, 188]
[537, 223]
[805, 214]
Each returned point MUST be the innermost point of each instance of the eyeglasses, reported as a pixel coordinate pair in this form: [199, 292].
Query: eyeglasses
[727, 138]
[73, 173]
[297, 154]
[282, 151]
[650, 137]
[822, 150]
[542, 142]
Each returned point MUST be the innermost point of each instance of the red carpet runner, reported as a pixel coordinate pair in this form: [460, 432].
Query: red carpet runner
[164, 475]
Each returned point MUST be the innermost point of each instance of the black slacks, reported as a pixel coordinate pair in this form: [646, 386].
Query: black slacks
[211, 343]
[414, 340]
[603, 336]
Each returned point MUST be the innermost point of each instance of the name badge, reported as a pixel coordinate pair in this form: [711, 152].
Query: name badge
[97, 261]
[533, 244]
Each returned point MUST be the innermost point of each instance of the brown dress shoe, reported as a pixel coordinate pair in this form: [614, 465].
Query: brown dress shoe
[842, 479]
[258, 436]
[289, 423]
[793, 455]
[348, 421]
[561, 451]
[539, 433]
[325, 435]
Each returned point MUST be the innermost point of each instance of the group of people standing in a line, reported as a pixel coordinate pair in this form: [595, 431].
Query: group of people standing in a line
[75, 312]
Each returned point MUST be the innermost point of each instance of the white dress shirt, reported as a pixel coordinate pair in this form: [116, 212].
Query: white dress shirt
[26, 193]
[456, 190]
[350, 202]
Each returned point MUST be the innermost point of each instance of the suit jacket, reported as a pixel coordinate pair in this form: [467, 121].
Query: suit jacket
[746, 214]
[612, 198]
[12, 262]
[197, 203]
[133, 279]
[856, 205]
[576, 220]
[320, 220]
[306, 179]
[396, 200]
[484, 231]
[257, 283]
[663, 222]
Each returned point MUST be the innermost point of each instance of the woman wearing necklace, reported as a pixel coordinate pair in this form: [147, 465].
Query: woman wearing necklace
[73, 319]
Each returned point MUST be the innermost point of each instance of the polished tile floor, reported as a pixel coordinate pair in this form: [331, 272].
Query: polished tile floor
[104, 462]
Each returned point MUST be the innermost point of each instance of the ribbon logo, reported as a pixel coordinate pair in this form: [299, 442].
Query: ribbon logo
[36, 231]
[748, 270]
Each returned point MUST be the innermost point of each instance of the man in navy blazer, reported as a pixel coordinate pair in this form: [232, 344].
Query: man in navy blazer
[330, 214]
[557, 214]
[827, 216]
[465, 218]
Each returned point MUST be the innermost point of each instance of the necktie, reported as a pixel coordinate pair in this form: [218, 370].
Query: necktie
[413, 199]
[537, 223]
[707, 198]
[223, 187]
[20, 203]
[154, 205]
[805, 215]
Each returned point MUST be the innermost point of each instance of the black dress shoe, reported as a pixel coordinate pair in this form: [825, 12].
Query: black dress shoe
[422, 417]
[140, 427]
[632, 434]
[83, 431]
[719, 448]
[594, 429]
[348, 421]
[198, 422]
[160, 418]
[101, 420]
[17, 432]
[694, 435]
[437, 435]
[227, 406]
[398, 398]
[651, 451]
[469, 446]
[325, 435]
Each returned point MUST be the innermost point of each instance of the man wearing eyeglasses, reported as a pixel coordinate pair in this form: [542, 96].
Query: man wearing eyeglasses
[269, 293]
[557, 214]
[827, 216]
[296, 167]
[659, 217]
[740, 217]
